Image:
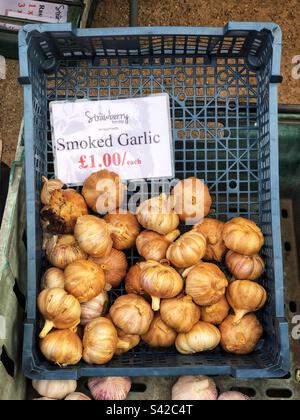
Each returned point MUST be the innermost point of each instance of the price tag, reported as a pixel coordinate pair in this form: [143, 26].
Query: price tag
[129, 136]
[34, 10]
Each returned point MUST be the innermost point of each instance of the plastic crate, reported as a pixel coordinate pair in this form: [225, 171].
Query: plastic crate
[222, 84]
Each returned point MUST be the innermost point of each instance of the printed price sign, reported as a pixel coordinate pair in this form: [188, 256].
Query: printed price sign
[129, 136]
[34, 10]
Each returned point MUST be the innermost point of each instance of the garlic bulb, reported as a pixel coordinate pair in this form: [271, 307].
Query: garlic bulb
[94, 308]
[103, 191]
[114, 266]
[212, 229]
[159, 334]
[243, 236]
[54, 389]
[84, 279]
[192, 200]
[48, 187]
[188, 250]
[245, 296]
[215, 314]
[63, 347]
[133, 340]
[93, 236]
[160, 281]
[77, 396]
[133, 280]
[243, 338]
[180, 313]
[233, 396]
[53, 277]
[156, 214]
[62, 250]
[132, 314]
[206, 283]
[153, 246]
[201, 388]
[100, 341]
[202, 337]
[110, 388]
[63, 210]
[126, 227]
[244, 267]
[60, 310]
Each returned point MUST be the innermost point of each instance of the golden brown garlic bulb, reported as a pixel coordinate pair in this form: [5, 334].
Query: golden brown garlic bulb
[153, 246]
[126, 227]
[192, 200]
[62, 347]
[245, 296]
[53, 278]
[63, 210]
[244, 267]
[202, 337]
[159, 334]
[206, 283]
[160, 281]
[132, 314]
[243, 338]
[133, 280]
[62, 250]
[133, 340]
[215, 314]
[94, 308]
[212, 229]
[243, 236]
[60, 310]
[188, 250]
[114, 266]
[84, 279]
[49, 185]
[180, 313]
[103, 191]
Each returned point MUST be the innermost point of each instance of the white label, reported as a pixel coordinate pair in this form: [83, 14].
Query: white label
[35, 10]
[129, 136]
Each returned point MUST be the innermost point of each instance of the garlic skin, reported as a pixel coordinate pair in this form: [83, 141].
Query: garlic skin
[103, 191]
[243, 338]
[244, 267]
[62, 250]
[54, 389]
[243, 236]
[188, 250]
[157, 215]
[63, 210]
[60, 310]
[53, 278]
[233, 396]
[215, 314]
[132, 340]
[49, 185]
[93, 236]
[110, 388]
[153, 246]
[94, 308]
[206, 283]
[132, 314]
[180, 313]
[245, 296]
[160, 281]
[126, 230]
[114, 266]
[77, 396]
[84, 279]
[192, 200]
[62, 347]
[159, 334]
[133, 280]
[212, 229]
[202, 337]
[194, 388]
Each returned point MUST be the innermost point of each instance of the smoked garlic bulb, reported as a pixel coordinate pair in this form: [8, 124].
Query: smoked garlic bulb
[159, 334]
[202, 337]
[62, 347]
[244, 267]
[49, 185]
[215, 314]
[126, 227]
[188, 250]
[157, 215]
[59, 309]
[133, 280]
[243, 236]
[62, 250]
[206, 283]
[180, 313]
[160, 281]
[53, 277]
[103, 191]
[94, 308]
[54, 389]
[114, 266]
[153, 246]
[132, 339]
[212, 229]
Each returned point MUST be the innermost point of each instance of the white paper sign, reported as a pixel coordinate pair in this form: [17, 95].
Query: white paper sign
[129, 136]
[34, 10]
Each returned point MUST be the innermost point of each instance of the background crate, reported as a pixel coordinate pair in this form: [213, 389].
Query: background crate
[222, 85]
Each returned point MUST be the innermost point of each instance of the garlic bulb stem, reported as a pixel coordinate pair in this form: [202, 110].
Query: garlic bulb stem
[155, 303]
[172, 236]
[49, 325]
[123, 345]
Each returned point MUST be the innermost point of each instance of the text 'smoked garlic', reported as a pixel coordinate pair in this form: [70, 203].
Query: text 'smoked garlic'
[133, 280]
[110, 388]
[49, 185]
[126, 228]
[159, 334]
[114, 266]
[53, 277]
[94, 308]
[202, 337]
[188, 250]
[180, 313]
[62, 250]
[153, 246]
[244, 267]
[62, 347]
[212, 229]
[54, 389]
[215, 314]
[194, 388]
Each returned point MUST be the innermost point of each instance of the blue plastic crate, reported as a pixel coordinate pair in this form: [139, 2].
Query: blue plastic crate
[222, 84]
